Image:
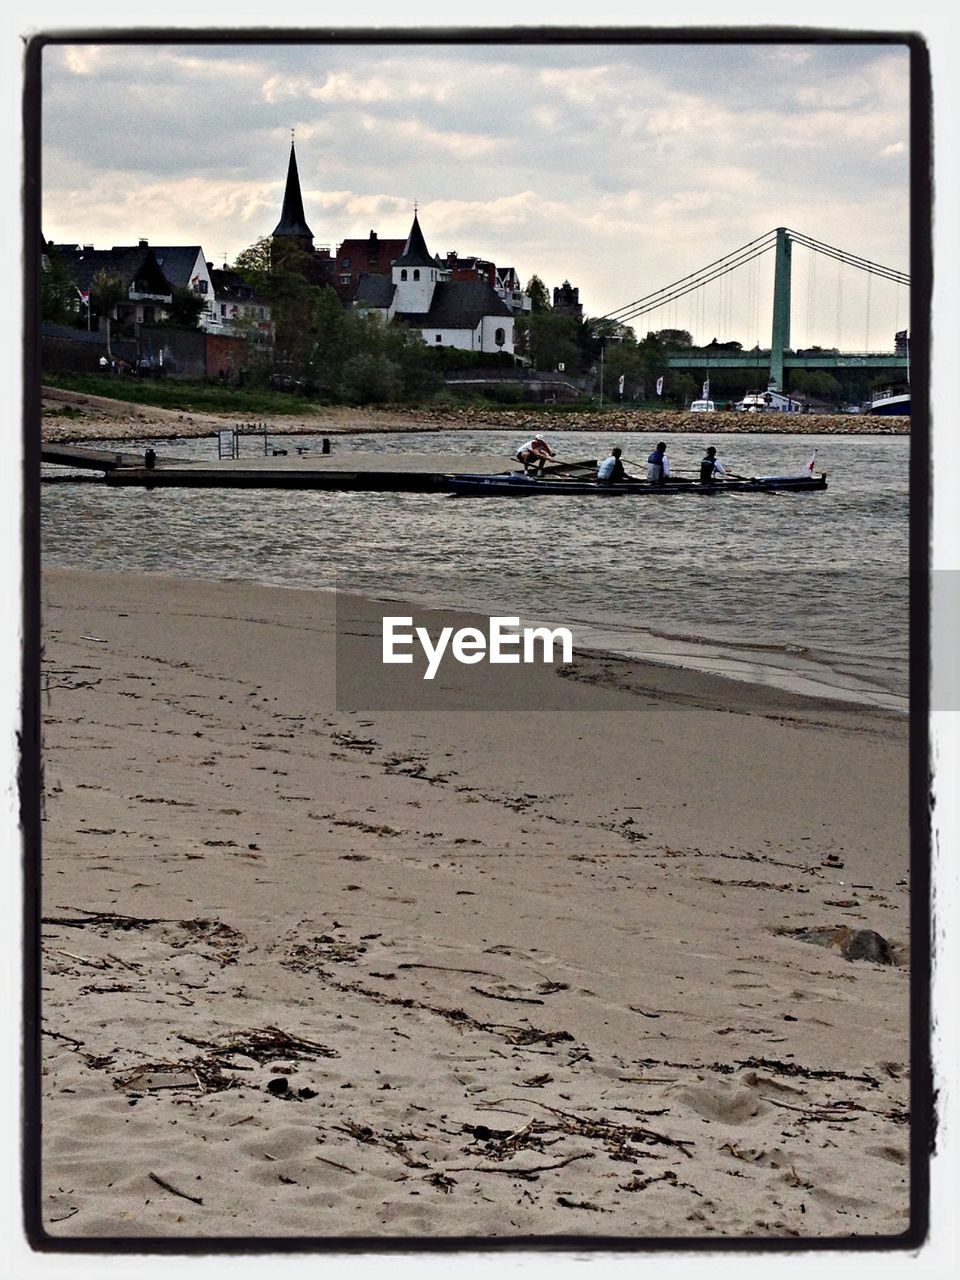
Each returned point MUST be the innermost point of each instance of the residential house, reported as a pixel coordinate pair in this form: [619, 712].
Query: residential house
[148, 292]
[186, 267]
[504, 280]
[510, 289]
[355, 258]
[236, 309]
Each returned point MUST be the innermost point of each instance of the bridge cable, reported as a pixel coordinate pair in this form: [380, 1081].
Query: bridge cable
[696, 275]
[851, 259]
[685, 285]
[654, 300]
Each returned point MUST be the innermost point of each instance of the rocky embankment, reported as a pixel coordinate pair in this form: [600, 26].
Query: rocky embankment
[71, 416]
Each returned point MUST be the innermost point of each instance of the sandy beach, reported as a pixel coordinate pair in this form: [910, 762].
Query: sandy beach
[319, 972]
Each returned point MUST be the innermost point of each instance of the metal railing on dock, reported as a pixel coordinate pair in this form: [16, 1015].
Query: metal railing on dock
[228, 440]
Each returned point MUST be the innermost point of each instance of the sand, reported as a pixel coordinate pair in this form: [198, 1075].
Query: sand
[540, 957]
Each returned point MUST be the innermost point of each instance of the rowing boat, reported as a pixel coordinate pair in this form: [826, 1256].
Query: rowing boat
[514, 484]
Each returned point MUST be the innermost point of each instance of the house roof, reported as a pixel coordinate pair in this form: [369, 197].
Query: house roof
[370, 248]
[82, 263]
[292, 220]
[459, 304]
[178, 262]
[227, 285]
[374, 291]
[415, 252]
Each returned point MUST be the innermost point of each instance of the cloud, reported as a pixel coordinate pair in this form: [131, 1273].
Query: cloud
[620, 167]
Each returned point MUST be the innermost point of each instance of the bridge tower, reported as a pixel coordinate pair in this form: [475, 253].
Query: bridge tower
[780, 338]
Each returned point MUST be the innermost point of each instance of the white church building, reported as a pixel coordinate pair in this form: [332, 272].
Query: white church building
[468, 314]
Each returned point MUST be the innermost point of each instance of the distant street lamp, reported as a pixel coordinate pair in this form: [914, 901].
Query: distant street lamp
[604, 339]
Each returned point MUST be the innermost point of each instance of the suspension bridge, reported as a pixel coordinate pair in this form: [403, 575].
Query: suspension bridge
[779, 355]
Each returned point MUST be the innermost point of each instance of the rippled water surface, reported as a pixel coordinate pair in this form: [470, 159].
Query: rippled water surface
[812, 582]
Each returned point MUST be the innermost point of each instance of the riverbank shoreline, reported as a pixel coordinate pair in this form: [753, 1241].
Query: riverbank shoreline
[337, 966]
[103, 419]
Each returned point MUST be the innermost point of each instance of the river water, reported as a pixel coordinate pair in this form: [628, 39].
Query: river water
[808, 591]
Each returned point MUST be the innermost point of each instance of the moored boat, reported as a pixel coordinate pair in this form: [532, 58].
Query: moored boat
[889, 401]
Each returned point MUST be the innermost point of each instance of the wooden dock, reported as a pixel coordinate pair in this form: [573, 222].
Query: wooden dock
[386, 471]
[71, 455]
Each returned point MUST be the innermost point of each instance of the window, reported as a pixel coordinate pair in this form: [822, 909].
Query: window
[345, 262]
[202, 286]
[403, 273]
[499, 337]
[416, 275]
[439, 337]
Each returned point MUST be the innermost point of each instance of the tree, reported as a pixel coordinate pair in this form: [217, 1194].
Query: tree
[680, 388]
[611, 330]
[368, 377]
[58, 293]
[623, 359]
[107, 291]
[551, 339]
[284, 283]
[253, 265]
[675, 339]
[815, 382]
[536, 291]
[186, 308]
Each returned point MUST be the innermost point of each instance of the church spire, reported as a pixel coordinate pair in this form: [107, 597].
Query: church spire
[415, 252]
[292, 221]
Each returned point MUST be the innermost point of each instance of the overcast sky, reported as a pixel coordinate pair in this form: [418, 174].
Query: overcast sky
[618, 167]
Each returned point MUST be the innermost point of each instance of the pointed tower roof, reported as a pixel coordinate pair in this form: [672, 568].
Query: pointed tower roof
[292, 221]
[415, 250]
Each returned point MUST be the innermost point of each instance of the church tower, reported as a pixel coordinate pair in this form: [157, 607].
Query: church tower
[415, 275]
[291, 235]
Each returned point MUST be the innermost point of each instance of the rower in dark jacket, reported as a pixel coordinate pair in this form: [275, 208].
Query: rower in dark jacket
[711, 467]
[659, 467]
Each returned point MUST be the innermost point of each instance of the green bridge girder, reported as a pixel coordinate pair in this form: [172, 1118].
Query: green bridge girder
[779, 357]
[762, 360]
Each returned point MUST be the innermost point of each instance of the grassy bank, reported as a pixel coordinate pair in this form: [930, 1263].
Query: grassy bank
[202, 397]
[187, 397]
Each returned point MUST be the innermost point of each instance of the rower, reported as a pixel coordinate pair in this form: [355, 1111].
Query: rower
[711, 467]
[611, 469]
[659, 467]
[535, 453]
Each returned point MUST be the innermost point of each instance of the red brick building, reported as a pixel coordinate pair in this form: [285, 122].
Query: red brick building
[355, 258]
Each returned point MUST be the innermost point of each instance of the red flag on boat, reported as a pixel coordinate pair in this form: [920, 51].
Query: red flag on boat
[811, 462]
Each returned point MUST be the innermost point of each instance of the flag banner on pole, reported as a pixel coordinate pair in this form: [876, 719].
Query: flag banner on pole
[706, 390]
[660, 386]
[621, 383]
